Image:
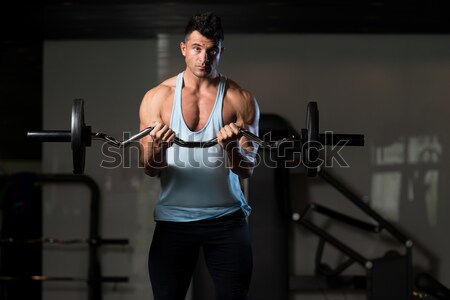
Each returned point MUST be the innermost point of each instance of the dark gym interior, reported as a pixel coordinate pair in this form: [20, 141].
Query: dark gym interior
[370, 223]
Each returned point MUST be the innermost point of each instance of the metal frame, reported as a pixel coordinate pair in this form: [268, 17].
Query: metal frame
[95, 278]
[94, 241]
[353, 256]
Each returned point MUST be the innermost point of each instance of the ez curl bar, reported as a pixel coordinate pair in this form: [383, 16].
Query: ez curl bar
[80, 136]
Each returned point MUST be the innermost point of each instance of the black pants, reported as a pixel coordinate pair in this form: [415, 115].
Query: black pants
[174, 252]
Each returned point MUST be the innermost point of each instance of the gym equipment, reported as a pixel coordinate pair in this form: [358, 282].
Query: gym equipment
[387, 277]
[21, 242]
[432, 286]
[309, 143]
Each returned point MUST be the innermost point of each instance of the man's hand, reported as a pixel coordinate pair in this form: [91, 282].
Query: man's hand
[153, 147]
[228, 136]
[240, 150]
[161, 136]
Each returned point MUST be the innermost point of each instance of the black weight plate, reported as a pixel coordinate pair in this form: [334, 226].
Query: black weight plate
[78, 143]
[311, 147]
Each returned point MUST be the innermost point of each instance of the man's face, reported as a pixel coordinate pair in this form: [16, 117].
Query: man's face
[201, 54]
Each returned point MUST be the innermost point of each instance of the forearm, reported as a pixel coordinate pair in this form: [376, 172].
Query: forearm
[241, 161]
[154, 148]
[153, 159]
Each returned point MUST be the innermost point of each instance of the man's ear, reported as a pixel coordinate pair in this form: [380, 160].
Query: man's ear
[183, 48]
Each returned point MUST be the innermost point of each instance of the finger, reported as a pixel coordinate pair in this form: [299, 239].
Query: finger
[168, 134]
[226, 131]
[234, 128]
[156, 124]
[164, 133]
[156, 127]
[157, 133]
[170, 139]
[219, 136]
[161, 132]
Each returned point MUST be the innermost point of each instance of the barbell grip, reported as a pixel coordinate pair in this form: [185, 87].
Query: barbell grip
[177, 141]
[50, 136]
[125, 143]
[330, 138]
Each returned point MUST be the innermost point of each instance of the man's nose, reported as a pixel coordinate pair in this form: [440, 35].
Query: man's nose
[204, 57]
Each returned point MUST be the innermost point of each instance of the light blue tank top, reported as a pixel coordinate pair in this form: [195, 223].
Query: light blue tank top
[196, 185]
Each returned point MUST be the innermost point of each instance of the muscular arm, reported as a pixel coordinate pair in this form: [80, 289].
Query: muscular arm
[241, 151]
[153, 145]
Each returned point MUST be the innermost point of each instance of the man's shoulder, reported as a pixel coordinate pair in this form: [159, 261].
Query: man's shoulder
[169, 83]
[237, 93]
[242, 102]
[162, 91]
[167, 86]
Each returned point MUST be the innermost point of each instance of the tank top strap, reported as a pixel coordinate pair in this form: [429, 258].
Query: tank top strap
[217, 113]
[176, 107]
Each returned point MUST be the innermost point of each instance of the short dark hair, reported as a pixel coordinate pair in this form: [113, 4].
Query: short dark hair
[208, 24]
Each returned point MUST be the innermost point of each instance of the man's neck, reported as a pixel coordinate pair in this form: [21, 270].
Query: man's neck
[198, 83]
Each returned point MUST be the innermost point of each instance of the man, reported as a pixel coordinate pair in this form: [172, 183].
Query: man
[201, 202]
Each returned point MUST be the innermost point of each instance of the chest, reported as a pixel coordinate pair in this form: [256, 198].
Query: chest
[196, 109]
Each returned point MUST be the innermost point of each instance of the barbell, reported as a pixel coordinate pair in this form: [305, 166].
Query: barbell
[310, 141]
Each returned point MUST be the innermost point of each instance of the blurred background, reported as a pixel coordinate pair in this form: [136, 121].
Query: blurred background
[379, 68]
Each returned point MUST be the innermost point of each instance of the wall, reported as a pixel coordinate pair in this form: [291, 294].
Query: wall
[112, 77]
[392, 88]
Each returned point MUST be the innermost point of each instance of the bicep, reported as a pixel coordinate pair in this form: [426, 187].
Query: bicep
[149, 113]
[250, 121]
